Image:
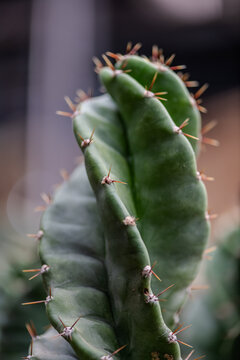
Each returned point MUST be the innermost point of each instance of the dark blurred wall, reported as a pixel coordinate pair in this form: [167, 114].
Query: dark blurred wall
[15, 19]
[209, 45]
[14, 51]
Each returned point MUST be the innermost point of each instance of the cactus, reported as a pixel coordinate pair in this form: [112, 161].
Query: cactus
[150, 208]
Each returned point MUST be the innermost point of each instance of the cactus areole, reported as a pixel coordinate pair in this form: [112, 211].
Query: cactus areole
[137, 211]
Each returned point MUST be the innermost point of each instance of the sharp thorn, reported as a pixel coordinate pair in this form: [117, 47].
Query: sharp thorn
[183, 329]
[119, 349]
[64, 113]
[200, 91]
[155, 53]
[98, 64]
[128, 47]
[160, 98]
[117, 57]
[46, 198]
[202, 109]
[185, 123]
[179, 327]
[62, 322]
[169, 61]
[165, 290]
[181, 342]
[199, 287]
[208, 127]
[108, 62]
[135, 49]
[75, 322]
[70, 103]
[189, 355]
[191, 136]
[153, 81]
[178, 67]
[191, 83]
[161, 93]
[210, 216]
[209, 141]
[34, 302]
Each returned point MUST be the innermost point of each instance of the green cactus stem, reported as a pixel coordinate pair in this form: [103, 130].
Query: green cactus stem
[150, 208]
[163, 189]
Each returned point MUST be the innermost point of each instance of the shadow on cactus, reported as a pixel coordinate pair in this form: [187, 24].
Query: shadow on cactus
[144, 214]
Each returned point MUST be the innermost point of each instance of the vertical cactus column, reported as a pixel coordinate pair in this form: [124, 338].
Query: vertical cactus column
[150, 210]
[160, 169]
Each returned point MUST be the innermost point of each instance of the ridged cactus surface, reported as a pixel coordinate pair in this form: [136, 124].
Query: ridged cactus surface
[163, 189]
[75, 251]
[150, 208]
[179, 103]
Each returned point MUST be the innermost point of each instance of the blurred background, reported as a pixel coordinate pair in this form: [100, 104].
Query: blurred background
[46, 50]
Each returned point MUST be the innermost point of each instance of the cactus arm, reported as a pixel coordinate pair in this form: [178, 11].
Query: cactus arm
[180, 104]
[73, 247]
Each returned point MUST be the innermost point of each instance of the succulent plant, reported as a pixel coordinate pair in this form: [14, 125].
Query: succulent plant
[146, 207]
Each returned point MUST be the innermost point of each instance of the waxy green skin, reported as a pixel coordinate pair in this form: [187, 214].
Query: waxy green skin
[180, 104]
[162, 189]
[95, 260]
[81, 271]
[73, 247]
